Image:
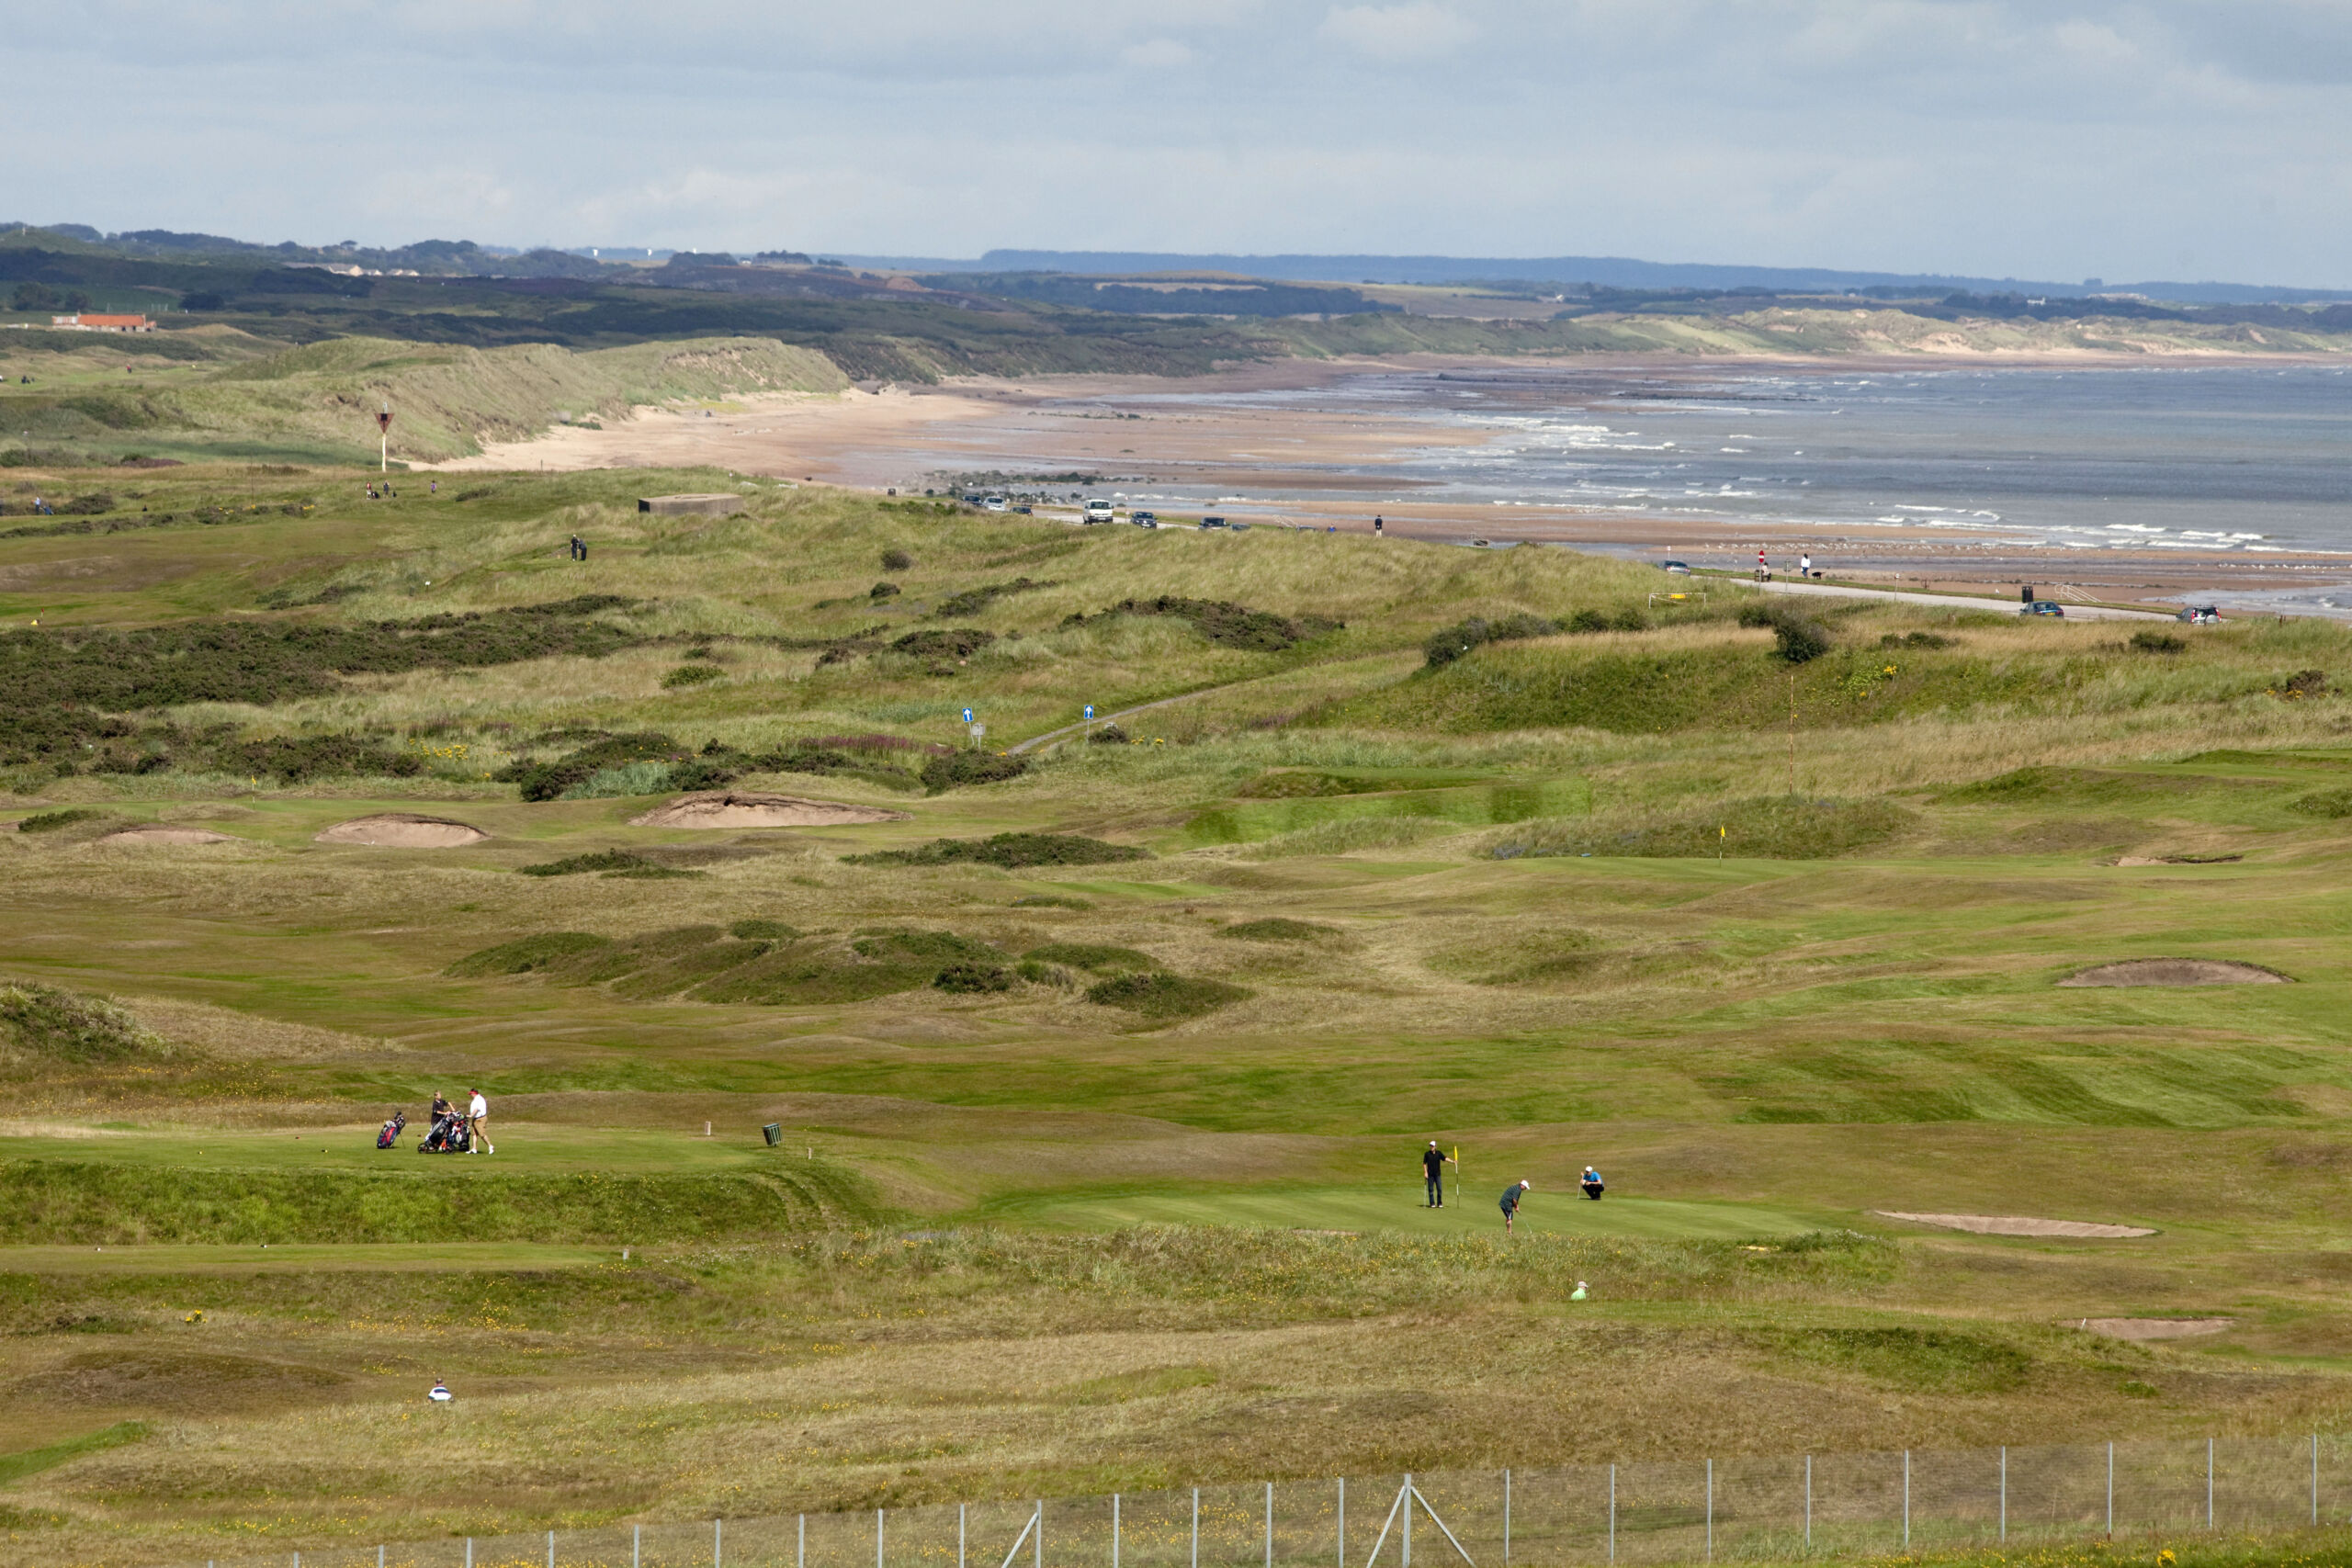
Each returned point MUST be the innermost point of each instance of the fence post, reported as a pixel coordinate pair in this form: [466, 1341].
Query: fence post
[1409, 1519]
[2110, 1490]
[1196, 1528]
[877, 1536]
[469, 1552]
[1114, 1530]
[1612, 1513]
[1270, 1525]
[959, 1535]
[2005, 1491]
[1037, 1545]
[1808, 1501]
[2314, 1481]
[1343, 1503]
[1506, 1519]
[715, 1544]
[2209, 1484]
[1906, 1499]
[1710, 1511]
[550, 1549]
[800, 1538]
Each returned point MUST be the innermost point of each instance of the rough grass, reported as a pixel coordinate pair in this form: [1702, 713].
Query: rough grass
[1763, 828]
[1012, 851]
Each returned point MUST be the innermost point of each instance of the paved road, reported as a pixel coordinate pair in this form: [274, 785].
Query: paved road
[1949, 601]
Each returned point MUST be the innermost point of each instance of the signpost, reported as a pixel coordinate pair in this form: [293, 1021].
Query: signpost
[384, 439]
[1090, 721]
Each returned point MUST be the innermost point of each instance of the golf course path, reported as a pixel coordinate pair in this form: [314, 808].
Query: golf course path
[2073, 612]
[1112, 717]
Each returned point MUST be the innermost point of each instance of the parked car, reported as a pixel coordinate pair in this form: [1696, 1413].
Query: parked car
[1211, 522]
[1144, 519]
[2043, 607]
[2201, 615]
[1023, 512]
[992, 504]
[1096, 510]
[1679, 568]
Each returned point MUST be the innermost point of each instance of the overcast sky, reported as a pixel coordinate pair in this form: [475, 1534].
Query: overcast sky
[2175, 139]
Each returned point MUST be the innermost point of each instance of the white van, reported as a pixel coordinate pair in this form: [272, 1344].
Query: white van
[1096, 510]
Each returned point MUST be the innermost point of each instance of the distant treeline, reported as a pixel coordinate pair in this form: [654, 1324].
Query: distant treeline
[1171, 299]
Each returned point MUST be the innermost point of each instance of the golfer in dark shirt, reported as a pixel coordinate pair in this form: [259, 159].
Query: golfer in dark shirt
[1512, 1196]
[1433, 1164]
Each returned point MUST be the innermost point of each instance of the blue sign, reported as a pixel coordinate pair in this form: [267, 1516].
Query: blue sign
[1090, 710]
[968, 716]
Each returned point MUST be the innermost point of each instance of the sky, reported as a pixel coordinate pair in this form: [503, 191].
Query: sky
[2159, 139]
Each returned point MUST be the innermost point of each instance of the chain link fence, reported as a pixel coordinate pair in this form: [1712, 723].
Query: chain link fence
[1596, 1515]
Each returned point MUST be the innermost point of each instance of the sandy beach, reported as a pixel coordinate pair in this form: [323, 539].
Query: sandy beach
[1242, 442]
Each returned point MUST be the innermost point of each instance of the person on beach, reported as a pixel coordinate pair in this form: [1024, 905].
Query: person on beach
[1375, 528]
[478, 1114]
[1512, 1196]
[1433, 1163]
[1805, 564]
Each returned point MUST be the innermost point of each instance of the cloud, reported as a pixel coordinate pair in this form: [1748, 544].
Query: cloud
[1397, 35]
[1159, 55]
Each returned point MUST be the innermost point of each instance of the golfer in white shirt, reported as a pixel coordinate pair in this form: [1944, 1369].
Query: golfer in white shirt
[478, 1112]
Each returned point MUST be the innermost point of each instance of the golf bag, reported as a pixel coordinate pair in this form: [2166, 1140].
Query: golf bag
[391, 1130]
[451, 1135]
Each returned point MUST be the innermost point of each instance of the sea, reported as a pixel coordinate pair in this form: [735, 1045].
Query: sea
[2230, 457]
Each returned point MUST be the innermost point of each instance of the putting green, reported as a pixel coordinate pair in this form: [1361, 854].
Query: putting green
[1400, 1209]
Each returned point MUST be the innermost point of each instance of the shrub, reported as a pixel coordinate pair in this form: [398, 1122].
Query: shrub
[1446, 646]
[1009, 849]
[549, 781]
[961, 643]
[1915, 639]
[1038, 974]
[1223, 622]
[50, 821]
[293, 758]
[943, 773]
[545, 950]
[2302, 683]
[1110, 734]
[1158, 995]
[2328, 803]
[882, 590]
[600, 860]
[1277, 929]
[1089, 955]
[972, 601]
[763, 931]
[1800, 639]
[691, 675]
[968, 978]
[896, 560]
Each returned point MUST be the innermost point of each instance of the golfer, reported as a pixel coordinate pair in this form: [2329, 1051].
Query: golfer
[478, 1112]
[1433, 1164]
[1511, 1195]
[1592, 1184]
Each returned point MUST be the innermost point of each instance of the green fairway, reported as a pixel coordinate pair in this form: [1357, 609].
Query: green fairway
[1358, 1209]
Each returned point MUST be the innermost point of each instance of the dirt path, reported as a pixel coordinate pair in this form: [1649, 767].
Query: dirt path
[2073, 612]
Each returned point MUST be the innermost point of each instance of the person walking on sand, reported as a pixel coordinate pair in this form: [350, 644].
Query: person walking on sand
[1805, 564]
[1512, 1196]
[1433, 1163]
[478, 1112]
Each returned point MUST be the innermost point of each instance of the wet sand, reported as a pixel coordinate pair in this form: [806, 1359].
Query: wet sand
[1271, 460]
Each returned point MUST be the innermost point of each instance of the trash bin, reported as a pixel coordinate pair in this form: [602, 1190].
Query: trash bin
[773, 1132]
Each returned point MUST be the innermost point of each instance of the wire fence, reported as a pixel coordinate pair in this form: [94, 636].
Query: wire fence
[1730, 1510]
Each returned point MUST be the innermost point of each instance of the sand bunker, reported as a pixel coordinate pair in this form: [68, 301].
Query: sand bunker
[733, 808]
[403, 830]
[2175, 972]
[165, 833]
[2156, 1327]
[2011, 1224]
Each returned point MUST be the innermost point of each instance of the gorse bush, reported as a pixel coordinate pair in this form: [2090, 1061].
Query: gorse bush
[942, 774]
[1009, 849]
[1798, 638]
[1445, 646]
[47, 1023]
[1223, 622]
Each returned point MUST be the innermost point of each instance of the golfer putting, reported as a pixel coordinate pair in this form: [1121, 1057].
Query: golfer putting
[1512, 1196]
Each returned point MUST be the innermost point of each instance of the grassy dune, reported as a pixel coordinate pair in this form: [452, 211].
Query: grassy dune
[1591, 898]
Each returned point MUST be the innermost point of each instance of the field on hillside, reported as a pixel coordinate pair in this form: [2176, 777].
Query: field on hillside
[1100, 1067]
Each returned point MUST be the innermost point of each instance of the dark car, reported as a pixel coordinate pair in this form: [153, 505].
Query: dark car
[2043, 607]
[1211, 522]
[2201, 615]
[1144, 519]
[1679, 568]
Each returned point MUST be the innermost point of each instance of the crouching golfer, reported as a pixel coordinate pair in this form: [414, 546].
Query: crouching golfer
[1592, 1184]
[1511, 1195]
[1433, 1164]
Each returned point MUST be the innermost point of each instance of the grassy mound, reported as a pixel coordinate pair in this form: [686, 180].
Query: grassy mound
[1222, 622]
[1164, 997]
[1759, 827]
[755, 961]
[52, 821]
[52, 1201]
[1012, 851]
[548, 949]
[46, 1023]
